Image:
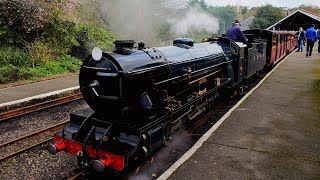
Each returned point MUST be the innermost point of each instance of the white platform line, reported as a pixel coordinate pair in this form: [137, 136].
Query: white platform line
[41, 96]
[205, 137]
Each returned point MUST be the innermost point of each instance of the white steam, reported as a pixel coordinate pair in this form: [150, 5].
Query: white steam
[195, 20]
[129, 19]
[139, 20]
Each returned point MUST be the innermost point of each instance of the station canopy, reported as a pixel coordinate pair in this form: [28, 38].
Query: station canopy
[297, 19]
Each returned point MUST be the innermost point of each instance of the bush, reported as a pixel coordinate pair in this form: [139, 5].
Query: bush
[61, 34]
[70, 63]
[22, 20]
[93, 36]
[10, 73]
[14, 56]
[65, 64]
[40, 53]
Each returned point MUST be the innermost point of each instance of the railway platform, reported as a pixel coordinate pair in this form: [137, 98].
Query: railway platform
[33, 90]
[273, 134]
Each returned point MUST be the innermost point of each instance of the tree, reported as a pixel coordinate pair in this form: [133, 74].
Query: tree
[200, 3]
[244, 10]
[22, 21]
[164, 32]
[266, 16]
[225, 14]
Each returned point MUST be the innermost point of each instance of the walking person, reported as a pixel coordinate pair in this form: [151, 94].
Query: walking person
[312, 37]
[318, 40]
[301, 39]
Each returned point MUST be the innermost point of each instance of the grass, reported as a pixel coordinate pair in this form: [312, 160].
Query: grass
[64, 65]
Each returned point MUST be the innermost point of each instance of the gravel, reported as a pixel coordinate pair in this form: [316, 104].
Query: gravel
[37, 163]
[17, 127]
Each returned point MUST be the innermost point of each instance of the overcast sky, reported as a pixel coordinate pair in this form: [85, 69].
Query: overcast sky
[279, 3]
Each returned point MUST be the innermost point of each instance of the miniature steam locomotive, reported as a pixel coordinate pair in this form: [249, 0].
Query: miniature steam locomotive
[139, 96]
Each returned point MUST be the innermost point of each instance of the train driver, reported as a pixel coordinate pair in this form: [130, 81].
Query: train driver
[235, 33]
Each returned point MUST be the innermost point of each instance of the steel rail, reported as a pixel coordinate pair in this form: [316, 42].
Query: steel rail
[39, 106]
[42, 131]
[25, 149]
[77, 176]
[53, 127]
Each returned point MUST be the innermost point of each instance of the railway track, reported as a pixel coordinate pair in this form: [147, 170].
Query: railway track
[39, 106]
[49, 131]
[31, 140]
[76, 176]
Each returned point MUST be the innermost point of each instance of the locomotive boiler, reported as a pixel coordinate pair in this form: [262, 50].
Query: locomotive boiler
[139, 96]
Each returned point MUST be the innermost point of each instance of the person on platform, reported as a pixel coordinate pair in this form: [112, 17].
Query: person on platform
[312, 37]
[301, 38]
[318, 40]
[235, 33]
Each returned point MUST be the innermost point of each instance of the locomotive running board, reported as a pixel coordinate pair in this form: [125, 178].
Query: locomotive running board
[178, 121]
[162, 119]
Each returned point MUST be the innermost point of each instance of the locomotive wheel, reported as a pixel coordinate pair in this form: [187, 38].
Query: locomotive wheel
[210, 105]
[241, 90]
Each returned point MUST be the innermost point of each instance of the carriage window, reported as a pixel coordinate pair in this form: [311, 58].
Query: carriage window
[274, 40]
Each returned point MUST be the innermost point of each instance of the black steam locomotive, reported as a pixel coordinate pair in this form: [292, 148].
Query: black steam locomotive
[140, 96]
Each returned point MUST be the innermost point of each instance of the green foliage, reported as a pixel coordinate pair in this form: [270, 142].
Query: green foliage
[93, 36]
[225, 14]
[61, 34]
[198, 3]
[164, 31]
[266, 16]
[39, 52]
[14, 56]
[244, 10]
[36, 38]
[11, 73]
[21, 21]
[65, 64]
[98, 37]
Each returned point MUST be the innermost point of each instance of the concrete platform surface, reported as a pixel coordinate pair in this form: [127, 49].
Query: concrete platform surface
[34, 89]
[273, 134]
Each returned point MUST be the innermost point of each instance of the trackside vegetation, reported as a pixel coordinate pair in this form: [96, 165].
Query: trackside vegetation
[38, 39]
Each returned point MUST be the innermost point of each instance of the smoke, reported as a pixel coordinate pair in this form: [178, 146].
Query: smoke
[129, 19]
[195, 20]
[160, 162]
[139, 19]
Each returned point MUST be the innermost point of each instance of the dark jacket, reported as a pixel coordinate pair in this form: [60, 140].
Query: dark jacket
[302, 36]
[236, 34]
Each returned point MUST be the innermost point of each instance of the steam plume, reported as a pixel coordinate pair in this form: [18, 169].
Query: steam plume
[195, 20]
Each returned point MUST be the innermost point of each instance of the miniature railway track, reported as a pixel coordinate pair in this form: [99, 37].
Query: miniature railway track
[48, 131]
[76, 176]
[201, 121]
[39, 106]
